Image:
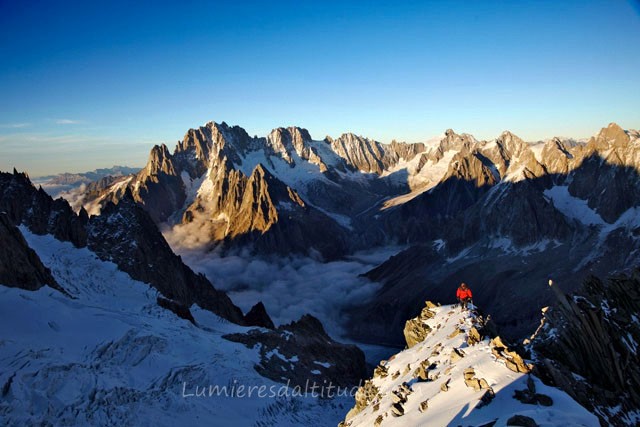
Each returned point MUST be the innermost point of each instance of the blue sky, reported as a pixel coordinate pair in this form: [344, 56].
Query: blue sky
[92, 84]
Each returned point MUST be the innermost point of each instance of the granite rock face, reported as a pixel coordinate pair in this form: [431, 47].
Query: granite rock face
[587, 346]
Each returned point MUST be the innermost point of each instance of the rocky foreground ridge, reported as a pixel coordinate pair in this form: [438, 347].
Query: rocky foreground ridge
[586, 346]
[455, 372]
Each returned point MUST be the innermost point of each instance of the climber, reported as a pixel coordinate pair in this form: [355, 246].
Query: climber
[464, 295]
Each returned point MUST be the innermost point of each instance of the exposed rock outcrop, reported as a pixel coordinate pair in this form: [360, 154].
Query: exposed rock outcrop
[416, 330]
[365, 395]
[302, 354]
[511, 359]
[159, 187]
[258, 316]
[179, 309]
[20, 266]
[521, 421]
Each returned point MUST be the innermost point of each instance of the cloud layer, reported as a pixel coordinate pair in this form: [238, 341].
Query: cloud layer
[292, 286]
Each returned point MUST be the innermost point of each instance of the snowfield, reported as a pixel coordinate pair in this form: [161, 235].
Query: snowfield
[111, 356]
[573, 207]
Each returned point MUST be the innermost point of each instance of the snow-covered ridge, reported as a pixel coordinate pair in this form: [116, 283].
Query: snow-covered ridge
[451, 375]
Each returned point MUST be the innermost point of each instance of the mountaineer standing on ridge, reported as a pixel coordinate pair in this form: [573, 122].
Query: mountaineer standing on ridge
[464, 295]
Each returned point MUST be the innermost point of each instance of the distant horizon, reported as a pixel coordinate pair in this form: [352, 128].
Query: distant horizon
[171, 147]
[91, 85]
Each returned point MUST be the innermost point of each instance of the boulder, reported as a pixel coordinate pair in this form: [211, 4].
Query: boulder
[473, 336]
[420, 373]
[380, 372]
[521, 421]
[472, 383]
[397, 410]
[487, 397]
[415, 331]
[456, 354]
[512, 360]
[469, 373]
[455, 333]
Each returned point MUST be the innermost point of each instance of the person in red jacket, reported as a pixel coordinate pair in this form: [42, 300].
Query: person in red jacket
[464, 295]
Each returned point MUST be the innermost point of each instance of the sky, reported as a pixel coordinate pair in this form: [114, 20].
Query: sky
[93, 84]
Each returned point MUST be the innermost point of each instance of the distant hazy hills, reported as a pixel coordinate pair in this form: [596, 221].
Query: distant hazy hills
[55, 184]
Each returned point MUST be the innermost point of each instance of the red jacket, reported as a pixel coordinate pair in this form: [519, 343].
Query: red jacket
[464, 293]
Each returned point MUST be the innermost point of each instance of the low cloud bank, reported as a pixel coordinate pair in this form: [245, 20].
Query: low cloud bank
[292, 286]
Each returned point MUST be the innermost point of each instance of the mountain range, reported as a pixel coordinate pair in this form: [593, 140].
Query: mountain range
[488, 212]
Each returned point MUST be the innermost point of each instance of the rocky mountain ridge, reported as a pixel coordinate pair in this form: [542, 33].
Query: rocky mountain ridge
[19, 264]
[68, 178]
[455, 372]
[588, 333]
[291, 352]
[68, 184]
